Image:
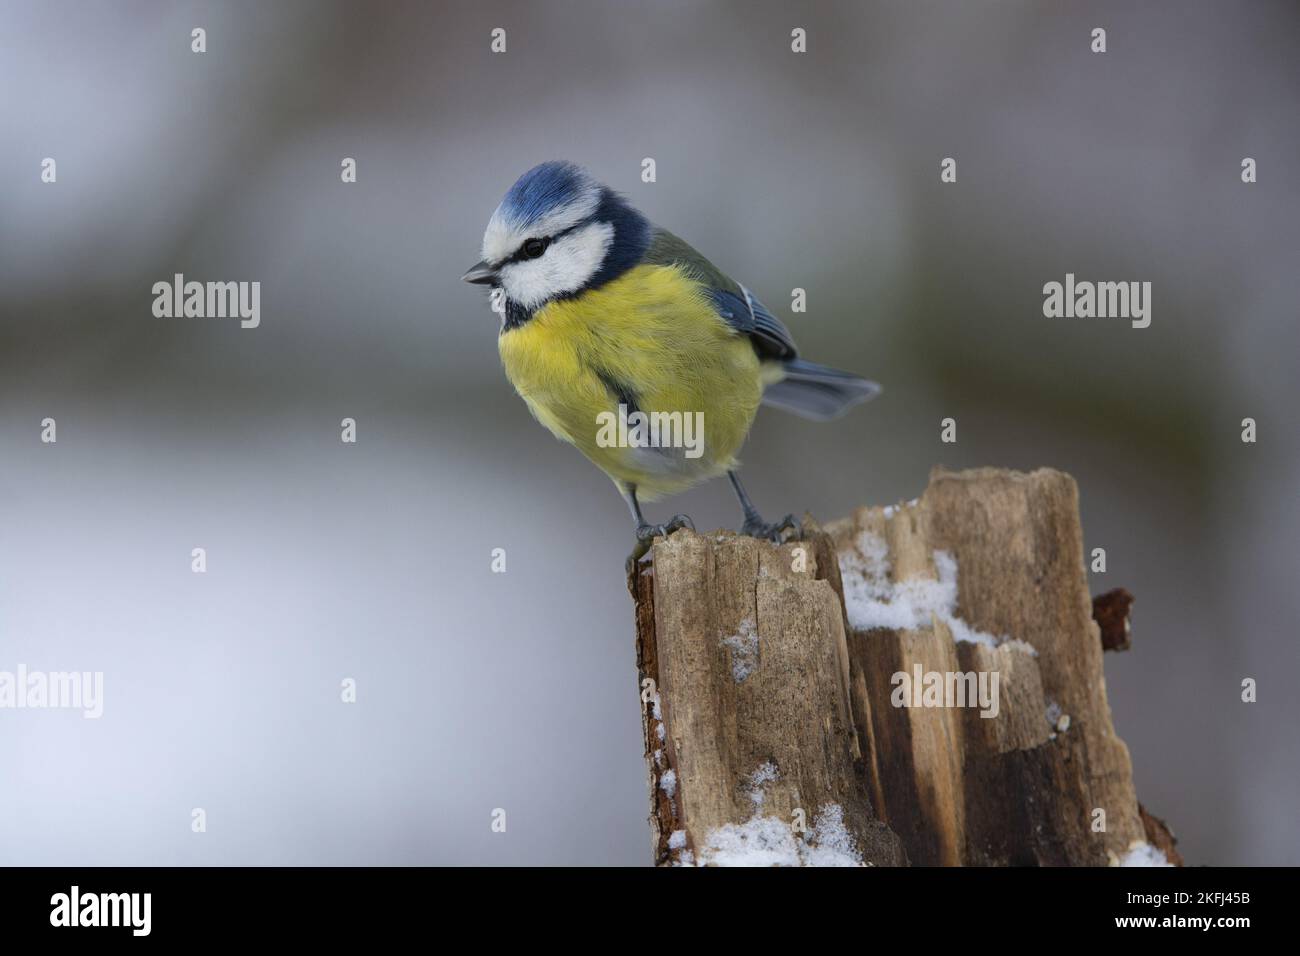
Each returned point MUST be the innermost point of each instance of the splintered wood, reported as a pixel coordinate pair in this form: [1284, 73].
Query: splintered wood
[920, 683]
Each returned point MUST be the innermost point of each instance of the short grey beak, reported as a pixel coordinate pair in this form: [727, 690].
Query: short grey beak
[480, 273]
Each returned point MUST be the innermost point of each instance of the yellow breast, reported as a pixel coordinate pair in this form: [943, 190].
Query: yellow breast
[653, 334]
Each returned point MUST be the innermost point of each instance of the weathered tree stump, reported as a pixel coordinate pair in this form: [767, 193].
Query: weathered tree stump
[918, 683]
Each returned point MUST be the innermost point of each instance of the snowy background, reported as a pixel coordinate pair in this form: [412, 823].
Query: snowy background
[371, 561]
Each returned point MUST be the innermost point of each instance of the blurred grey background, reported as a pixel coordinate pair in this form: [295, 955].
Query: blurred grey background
[478, 690]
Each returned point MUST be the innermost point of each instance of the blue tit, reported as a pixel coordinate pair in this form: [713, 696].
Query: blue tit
[611, 324]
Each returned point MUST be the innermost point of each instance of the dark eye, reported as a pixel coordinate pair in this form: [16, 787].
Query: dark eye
[535, 247]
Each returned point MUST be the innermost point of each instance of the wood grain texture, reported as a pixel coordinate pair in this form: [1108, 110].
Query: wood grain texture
[751, 666]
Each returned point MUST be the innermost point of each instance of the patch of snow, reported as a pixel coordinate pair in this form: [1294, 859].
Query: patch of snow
[1143, 854]
[769, 841]
[657, 712]
[677, 840]
[760, 841]
[872, 600]
[830, 842]
[964, 633]
[668, 783]
[744, 650]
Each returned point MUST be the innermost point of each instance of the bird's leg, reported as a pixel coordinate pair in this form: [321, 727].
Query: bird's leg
[754, 525]
[646, 532]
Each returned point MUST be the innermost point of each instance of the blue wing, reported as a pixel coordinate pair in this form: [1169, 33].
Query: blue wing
[744, 313]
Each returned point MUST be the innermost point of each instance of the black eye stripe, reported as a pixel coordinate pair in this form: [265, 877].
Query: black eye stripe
[521, 255]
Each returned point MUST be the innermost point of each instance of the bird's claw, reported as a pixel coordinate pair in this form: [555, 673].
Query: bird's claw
[774, 532]
[646, 534]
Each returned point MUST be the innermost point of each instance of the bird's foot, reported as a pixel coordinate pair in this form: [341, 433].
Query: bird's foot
[756, 527]
[646, 534]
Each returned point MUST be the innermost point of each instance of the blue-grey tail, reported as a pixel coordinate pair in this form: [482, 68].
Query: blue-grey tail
[817, 392]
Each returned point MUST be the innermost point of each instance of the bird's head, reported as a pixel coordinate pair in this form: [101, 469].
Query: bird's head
[557, 232]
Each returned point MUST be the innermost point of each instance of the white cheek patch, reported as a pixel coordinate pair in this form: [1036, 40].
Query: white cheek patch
[566, 266]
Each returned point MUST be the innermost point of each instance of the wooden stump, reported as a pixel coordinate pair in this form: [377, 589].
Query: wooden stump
[773, 717]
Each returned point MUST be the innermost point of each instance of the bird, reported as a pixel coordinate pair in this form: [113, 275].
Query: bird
[605, 314]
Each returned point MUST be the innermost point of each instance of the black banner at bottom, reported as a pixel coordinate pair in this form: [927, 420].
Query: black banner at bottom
[335, 905]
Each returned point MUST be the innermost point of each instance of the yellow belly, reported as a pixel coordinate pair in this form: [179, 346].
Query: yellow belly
[653, 330]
